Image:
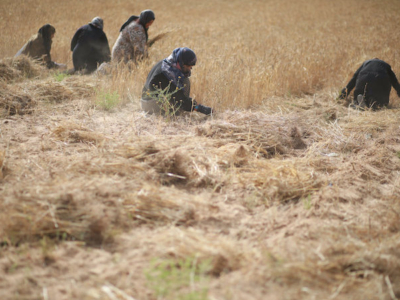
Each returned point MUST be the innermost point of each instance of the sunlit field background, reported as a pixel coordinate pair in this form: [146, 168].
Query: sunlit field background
[284, 193]
[247, 51]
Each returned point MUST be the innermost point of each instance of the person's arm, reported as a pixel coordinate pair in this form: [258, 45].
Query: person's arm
[394, 81]
[106, 49]
[49, 63]
[76, 38]
[352, 83]
[181, 100]
[24, 48]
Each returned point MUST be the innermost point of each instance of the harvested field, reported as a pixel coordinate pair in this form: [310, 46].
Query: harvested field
[284, 193]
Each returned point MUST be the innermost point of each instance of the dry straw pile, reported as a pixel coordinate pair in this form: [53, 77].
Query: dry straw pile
[284, 193]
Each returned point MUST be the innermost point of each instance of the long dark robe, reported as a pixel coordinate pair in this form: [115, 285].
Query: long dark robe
[90, 48]
[374, 80]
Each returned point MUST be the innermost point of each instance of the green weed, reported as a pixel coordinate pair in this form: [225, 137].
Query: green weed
[307, 202]
[60, 76]
[107, 100]
[163, 97]
[184, 279]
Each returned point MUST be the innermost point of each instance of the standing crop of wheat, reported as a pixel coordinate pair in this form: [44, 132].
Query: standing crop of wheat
[284, 193]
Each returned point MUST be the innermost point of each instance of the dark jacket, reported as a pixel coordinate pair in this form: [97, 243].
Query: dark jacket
[373, 80]
[156, 80]
[90, 48]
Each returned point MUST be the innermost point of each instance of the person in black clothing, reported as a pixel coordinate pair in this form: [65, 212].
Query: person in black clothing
[90, 46]
[372, 82]
[170, 77]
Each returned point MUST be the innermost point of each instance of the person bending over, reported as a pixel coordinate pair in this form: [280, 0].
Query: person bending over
[170, 76]
[131, 42]
[372, 82]
[90, 46]
[39, 47]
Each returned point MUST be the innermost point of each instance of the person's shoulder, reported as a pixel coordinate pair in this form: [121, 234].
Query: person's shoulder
[378, 63]
[85, 27]
[136, 27]
[35, 39]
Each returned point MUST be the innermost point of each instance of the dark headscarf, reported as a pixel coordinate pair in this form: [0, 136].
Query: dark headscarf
[181, 56]
[145, 17]
[46, 32]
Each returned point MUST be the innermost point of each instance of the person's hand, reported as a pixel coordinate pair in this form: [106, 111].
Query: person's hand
[343, 94]
[203, 109]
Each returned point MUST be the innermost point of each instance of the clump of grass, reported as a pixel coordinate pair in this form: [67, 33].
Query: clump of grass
[60, 76]
[185, 279]
[107, 100]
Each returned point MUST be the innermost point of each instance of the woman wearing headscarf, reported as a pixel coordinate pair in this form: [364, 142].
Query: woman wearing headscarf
[90, 46]
[131, 42]
[170, 78]
[372, 82]
[39, 46]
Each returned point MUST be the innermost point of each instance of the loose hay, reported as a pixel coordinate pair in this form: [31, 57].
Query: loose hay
[75, 133]
[14, 101]
[16, 69]
[51, 91]
[82, 87]
[173, 162]
[151, 206]
[268, 135]
[225, 256]
[2, 159]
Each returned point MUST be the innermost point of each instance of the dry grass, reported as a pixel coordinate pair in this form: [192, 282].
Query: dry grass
[284, 193]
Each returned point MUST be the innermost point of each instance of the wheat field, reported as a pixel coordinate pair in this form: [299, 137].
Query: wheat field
[284, 193]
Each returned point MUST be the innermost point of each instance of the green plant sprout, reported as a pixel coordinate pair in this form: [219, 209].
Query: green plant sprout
[163, 97]
[185, 279]
[107, 100]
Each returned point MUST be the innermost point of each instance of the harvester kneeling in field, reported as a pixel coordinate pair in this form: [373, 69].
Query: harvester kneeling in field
[167, 87]
[373, 82]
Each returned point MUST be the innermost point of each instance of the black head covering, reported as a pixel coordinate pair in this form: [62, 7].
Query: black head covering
[186, 56]
[129, 21]
[145, 17]
[175, 74]
[46, 32]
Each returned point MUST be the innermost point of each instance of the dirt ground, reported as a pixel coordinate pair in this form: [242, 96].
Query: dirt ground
[296, 199]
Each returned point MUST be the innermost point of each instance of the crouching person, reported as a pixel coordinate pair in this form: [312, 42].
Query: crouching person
[39, 46]
[372, 82]
[168, 86]
[90, 47]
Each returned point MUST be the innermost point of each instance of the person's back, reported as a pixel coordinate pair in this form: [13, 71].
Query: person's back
[90, 46]
[131, 44]
[39, 46]
[33, 48]
[372, 83]
[376, 66]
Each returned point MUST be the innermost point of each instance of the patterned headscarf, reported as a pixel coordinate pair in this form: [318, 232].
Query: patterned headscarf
[145, 17]
[181, 56]
[97, 22]
[46, 32]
